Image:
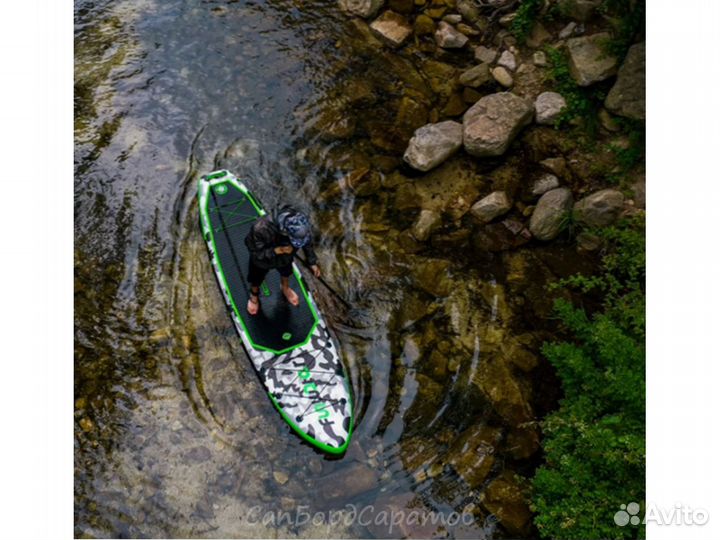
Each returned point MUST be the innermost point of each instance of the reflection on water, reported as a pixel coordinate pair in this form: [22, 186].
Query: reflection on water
[174, 436]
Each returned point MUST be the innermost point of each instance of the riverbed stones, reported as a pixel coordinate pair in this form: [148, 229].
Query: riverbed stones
[551, 213]
[488, 208]
[485, 55]
[492, 123]
[476, 76]
[502, 76]
[361, 8]
[432, 144]
[589, 61]
[545, 183]
[507, 60]
[599, 209]
[392, 27]
[548, 108]
[448, 37]
[627, 97]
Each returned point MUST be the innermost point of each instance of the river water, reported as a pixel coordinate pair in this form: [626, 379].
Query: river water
[174, 436]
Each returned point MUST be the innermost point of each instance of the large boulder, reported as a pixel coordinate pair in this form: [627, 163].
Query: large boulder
[448, 37]
[551, 213]
[627, 96]
[488, 208]
[492, 123]
[599, 209]
[548, 107]
[392, 28]
[361, 8]
[432, 144]
[589, 60]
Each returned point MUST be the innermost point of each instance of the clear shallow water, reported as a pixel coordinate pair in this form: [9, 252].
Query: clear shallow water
[174, 436]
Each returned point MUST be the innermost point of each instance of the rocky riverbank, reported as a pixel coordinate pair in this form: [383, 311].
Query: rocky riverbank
[472, 148]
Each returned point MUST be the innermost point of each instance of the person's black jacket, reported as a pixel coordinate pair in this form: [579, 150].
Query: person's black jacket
[264, 237]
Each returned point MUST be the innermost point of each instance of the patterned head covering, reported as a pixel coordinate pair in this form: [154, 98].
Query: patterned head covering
[296, 225]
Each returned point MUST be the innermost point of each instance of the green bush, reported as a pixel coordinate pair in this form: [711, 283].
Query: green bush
[525, 18]
[595, 442]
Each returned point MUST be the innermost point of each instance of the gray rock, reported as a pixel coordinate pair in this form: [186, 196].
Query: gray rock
[627, 97]
[545, 183]
[392, 27]
[502, 76]
[507, 60]
[447, 37]
[361, 8]
[485, 55]
[551, 213]
[599, 209]
[492, 123]
[432, 144]
[548, 107]
[488, 208]
[476, 76]
[506, 20]
[426, 223]
[589, 62]
[568, 31]
[539, 59]
[453, 18]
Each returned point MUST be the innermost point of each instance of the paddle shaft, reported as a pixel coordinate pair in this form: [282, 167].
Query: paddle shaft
[321, 280]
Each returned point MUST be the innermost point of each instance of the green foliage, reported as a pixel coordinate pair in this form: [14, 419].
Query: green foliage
[525, 18]
[634, 153]
[582, 103]
[595, 442]
[629, 21]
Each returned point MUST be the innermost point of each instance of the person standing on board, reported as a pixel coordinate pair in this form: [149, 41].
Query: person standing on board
[272, 244]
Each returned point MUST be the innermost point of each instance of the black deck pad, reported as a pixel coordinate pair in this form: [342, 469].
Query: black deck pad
[278, 325]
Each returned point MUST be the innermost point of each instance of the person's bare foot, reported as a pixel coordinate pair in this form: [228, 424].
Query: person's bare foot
[253, 305]
[291, 296]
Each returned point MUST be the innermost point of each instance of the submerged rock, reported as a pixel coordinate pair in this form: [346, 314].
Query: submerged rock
[472, 454]
[392, 27]
[431, 275]
[348, 482]
[627, 97]
[361, 8]
[551, 213]
[476, 76]
[500, 386]
[548, 107]
[488, 208]
[589, 61]
[505, 499]
[492, 123]
[424, 25]
[447, 37]
[507, 234]
[600, 209]
[432, 144]
[426, 223]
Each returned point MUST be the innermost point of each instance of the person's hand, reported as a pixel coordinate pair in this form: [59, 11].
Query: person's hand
[316, 270]
[283, 249]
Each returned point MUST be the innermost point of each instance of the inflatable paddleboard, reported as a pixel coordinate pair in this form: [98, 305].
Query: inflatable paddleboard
[291, 348]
